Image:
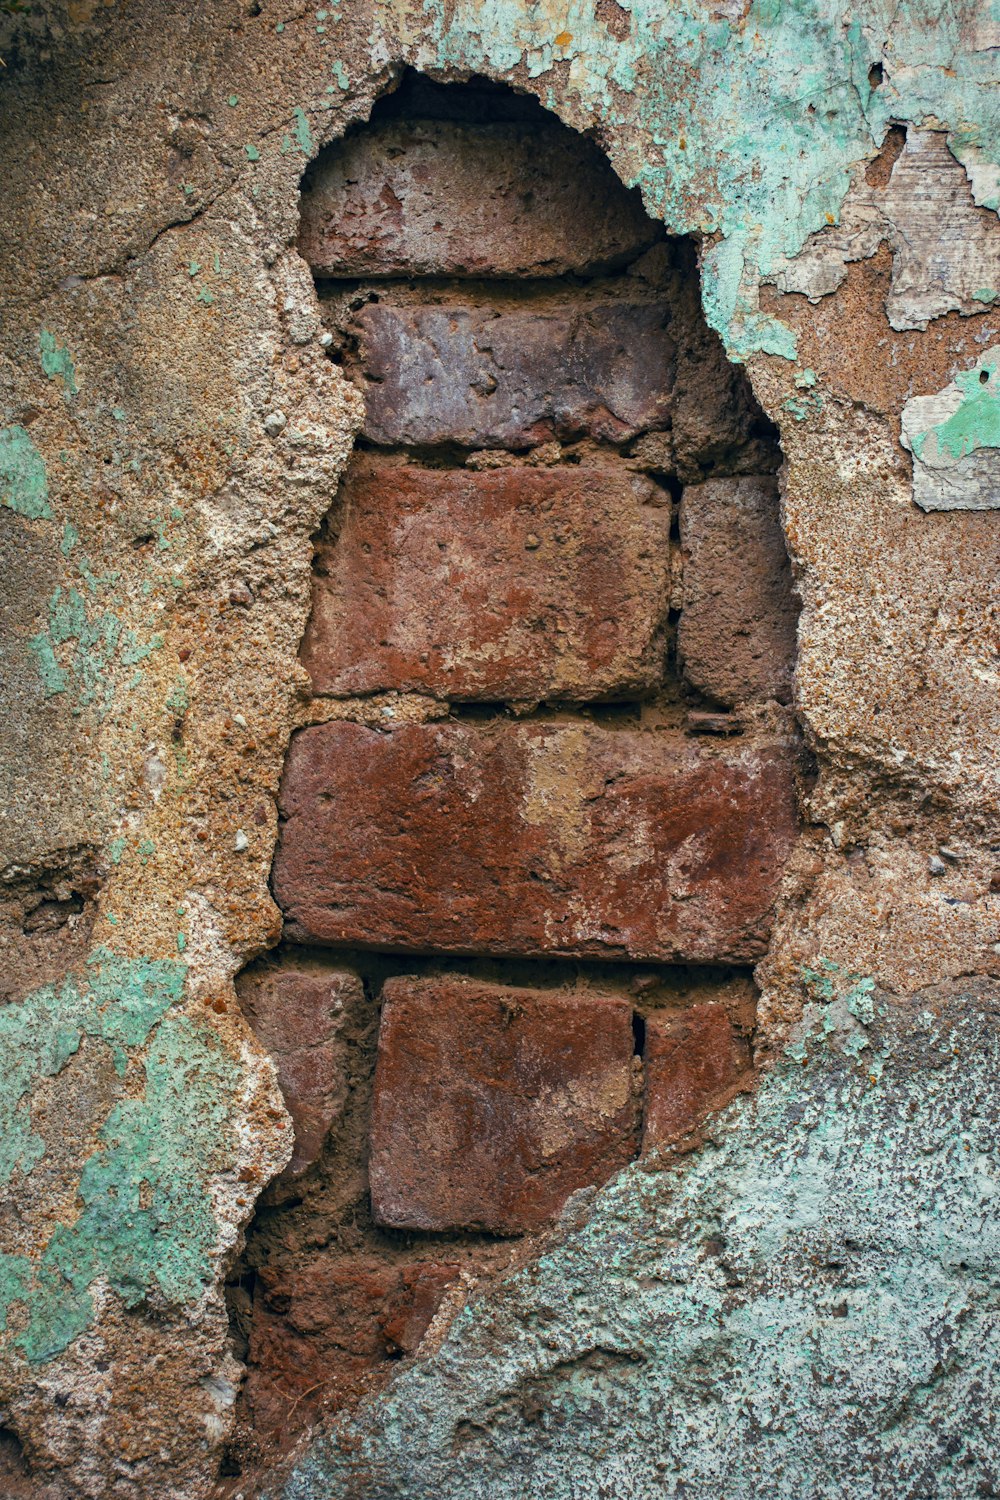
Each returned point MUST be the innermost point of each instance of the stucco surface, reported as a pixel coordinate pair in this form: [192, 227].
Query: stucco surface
[156, 545]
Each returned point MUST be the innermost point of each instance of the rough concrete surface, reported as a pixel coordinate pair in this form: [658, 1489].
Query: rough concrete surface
[805, 1304]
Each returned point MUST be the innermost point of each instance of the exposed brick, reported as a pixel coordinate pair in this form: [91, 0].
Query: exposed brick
[493, 1104]
[509, 583]
[405, 1317]
[436, 198]
[484, 375]
[737, 629]
[322, 1333]
[691, 1064]
[299, 1018]
[533, 838]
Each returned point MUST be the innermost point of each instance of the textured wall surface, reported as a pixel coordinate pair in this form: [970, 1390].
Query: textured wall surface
[807, 1303]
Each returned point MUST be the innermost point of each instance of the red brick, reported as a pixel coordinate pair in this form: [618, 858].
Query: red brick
[322, 1334]
[510, 583]
[299, 1018]
[493, 1104]
[692, 1064]
[535, 838]
[437, 198]
[485, 375]
[737, 628]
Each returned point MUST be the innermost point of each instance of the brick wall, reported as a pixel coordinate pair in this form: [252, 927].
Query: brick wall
[534, 836]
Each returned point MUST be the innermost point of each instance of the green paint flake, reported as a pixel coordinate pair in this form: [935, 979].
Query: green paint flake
[116, 849]
[70, 537]
[146, 850]
[181, 942]
[340, 73]
[178, 700]
[985, 294]
[53, 677]
[145, 1223]
[56, 361]
[252, 153]
[23, 482]
[98, 644]
[975, 423]
[204, 295]
[233, 100]
[194, 268]
[119, 1002]
[303, 134]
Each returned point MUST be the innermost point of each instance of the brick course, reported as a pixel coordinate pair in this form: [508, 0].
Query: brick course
[492, 1104]
[438, 198]
[533, 839]
[298, 1018]
[691, 1062]
[514, 583]
[737, 629]
[483, 374]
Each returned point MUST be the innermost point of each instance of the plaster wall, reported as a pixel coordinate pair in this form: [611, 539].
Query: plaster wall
[155, 524]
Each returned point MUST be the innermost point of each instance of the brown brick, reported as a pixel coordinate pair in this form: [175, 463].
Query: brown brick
[511, 376]
[533, 838]
[437, 198]
[737, 628]
[692, 1063]
[510, 583]
[323, 1333]
[493, 1104]
[299, 1018]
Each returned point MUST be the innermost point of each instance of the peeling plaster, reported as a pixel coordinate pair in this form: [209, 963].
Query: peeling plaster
[954, 437]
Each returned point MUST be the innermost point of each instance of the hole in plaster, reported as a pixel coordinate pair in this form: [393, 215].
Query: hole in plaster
[876, 75]
[559, 528]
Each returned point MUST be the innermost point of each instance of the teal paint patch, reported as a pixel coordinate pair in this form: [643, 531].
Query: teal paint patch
[24, 485]
[303, 134]
[954, 436]
[70, 537]
[119, 1003]
[809, 1306]
[57, 363]
[340, 73]
[145, 1223]
[98, 645]
[975, 421]
[252, 153]
[747, 127]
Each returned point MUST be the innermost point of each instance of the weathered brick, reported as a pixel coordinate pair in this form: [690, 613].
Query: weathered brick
[299, 1018]
[737, 629]
[322, 1333]
[692, 1063]
[493, 1104]
[533, 838]
[437, 198]
[509, 583]
[512, 375]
